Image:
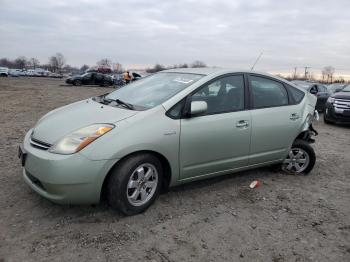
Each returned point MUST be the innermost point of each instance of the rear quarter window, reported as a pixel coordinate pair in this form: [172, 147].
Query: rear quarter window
[295, 94]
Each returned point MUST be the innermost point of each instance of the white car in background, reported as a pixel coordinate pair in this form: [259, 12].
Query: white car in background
[4, 71]
[15, 72]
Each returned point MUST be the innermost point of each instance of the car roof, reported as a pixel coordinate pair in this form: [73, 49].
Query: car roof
[218, 70]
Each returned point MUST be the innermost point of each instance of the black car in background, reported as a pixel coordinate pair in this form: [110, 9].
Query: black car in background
[338, 107]
[318, 90]
[91, 78]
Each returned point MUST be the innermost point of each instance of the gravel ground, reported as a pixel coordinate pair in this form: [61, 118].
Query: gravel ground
[288, 218]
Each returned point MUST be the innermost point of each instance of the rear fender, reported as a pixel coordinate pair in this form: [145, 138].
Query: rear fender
[308, 130]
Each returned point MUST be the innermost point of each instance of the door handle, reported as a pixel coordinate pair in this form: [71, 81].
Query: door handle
[294, 116]
[242, 123]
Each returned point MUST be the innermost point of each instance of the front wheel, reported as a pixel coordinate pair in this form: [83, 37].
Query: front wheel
[300, 159]
[325, 119]
[77, 83]
[135, 183]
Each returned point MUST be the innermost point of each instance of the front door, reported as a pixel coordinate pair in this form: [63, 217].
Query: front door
[218, 140]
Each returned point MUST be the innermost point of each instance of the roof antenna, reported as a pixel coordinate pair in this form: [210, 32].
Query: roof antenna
[256, 61]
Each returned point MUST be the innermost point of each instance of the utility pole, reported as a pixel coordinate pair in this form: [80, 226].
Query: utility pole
[306, 72]
[295, 73]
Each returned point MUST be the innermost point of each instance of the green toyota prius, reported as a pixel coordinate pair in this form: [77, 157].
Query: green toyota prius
[169, 128]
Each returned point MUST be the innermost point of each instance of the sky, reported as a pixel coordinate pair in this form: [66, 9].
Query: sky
[225, 33]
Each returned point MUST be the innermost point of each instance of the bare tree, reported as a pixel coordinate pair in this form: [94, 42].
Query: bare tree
[155, 69]
[117, 68]
[323, 75]
[61, 60]
[21, 62]
[34, 62]
[198, 63]
[6, 63]
[53, 63]
[328, 71]
[57, 62]
[84, 68]
[104, 62]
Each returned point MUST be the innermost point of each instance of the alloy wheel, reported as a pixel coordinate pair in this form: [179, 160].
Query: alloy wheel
[296, 162]
[142, 184]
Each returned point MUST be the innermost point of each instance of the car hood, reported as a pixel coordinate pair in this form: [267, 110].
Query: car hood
[340, 95]
[64, 120]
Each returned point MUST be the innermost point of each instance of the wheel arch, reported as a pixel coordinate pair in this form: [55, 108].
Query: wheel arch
[303, 135]
[164, 161]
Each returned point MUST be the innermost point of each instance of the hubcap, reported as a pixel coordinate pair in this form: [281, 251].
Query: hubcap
[142, 184]
[296, 161]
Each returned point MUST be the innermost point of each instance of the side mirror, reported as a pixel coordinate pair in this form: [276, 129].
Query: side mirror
[313, 91]
[198, 107]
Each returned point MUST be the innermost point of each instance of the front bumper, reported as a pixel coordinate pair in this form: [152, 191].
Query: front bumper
[64, 179]
[330, 114]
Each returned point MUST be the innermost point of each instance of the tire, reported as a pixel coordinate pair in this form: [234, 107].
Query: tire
[105, 83]
[325, 120]
[127, 192]
[300, 159]
[77, 83]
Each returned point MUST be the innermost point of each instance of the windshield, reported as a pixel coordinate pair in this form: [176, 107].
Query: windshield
[346, 89]
[154, 90]
[85, 74]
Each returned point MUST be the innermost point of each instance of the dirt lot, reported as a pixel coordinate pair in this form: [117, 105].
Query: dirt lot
[286, 219]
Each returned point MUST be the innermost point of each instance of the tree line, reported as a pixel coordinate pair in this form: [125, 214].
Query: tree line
[159, 67]
[56, 63]
[327, 75]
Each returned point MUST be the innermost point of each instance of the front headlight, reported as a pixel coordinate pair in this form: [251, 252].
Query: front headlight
[77, 140]
[331, 100]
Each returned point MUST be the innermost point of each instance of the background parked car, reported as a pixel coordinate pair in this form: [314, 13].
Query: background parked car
[55, 75]
[338, 107]
[15, 72]
[318, 90]
[91, 78]
[4, 71]
[334, 88]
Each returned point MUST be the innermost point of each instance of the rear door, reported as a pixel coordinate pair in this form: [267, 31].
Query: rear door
[275, 121]
[218, 140]
[99, 78]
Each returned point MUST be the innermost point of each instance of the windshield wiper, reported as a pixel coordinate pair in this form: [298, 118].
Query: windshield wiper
[127, 105]
[118, 101]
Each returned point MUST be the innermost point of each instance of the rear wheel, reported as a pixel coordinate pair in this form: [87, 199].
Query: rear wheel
[300, 159]
[135, 183]
[105, 83]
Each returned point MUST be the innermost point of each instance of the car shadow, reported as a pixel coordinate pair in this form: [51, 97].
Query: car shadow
[103, 213]
[241, 177]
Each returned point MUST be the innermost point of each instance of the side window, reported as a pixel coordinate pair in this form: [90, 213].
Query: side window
[322, 88]
[267, 93]
[295, 94]
[222, 95]
[87, 76]
[175, 111]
